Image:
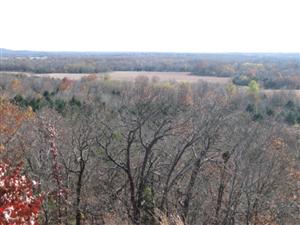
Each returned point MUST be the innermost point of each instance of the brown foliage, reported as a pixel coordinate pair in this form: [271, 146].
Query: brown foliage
[65, 84]
[11, 119]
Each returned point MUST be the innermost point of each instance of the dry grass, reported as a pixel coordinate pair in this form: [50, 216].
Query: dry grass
[132, 75]
[271, 92]
[167, 76]
[73, 76]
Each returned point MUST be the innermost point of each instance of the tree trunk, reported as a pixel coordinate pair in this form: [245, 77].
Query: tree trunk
[78, 193]
[190, 188]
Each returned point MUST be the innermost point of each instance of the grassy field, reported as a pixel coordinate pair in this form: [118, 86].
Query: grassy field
[270, 92]
[132, 75]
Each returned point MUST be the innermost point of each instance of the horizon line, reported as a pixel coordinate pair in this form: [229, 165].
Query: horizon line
[154, 52]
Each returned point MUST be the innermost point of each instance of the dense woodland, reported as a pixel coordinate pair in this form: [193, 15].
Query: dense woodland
[272, 71]
[98, 151]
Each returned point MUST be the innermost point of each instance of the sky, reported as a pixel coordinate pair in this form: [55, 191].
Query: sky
[151, 25]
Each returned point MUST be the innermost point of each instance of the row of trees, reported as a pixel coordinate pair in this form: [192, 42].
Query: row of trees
[136, 151]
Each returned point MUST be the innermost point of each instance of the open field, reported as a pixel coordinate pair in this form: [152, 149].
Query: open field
[168, 76]
[270, 92]
[132, 75]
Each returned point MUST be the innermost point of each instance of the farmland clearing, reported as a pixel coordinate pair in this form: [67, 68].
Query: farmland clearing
[132, 75]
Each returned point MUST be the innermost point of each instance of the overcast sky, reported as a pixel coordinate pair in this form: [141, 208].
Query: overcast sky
[151, 25]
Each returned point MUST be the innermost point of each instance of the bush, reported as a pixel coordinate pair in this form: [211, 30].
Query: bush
[290, 105]
[290, 118]
[60, 105]
[74, 102]
[250, 108]
[20, 101]
[269, 111]
[258, 117]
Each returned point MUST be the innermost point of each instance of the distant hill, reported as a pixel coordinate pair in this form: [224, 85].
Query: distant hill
[27, 53]
[21, 53]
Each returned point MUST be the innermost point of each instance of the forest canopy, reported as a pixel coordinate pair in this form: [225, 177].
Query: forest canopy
[98, 151]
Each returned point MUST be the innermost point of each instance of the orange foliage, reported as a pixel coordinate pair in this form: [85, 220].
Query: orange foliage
[65, 84]
[15, 85]
[11, 119]
[90, 77]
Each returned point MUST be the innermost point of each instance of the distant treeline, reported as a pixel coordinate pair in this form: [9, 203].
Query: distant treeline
[272, 71]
